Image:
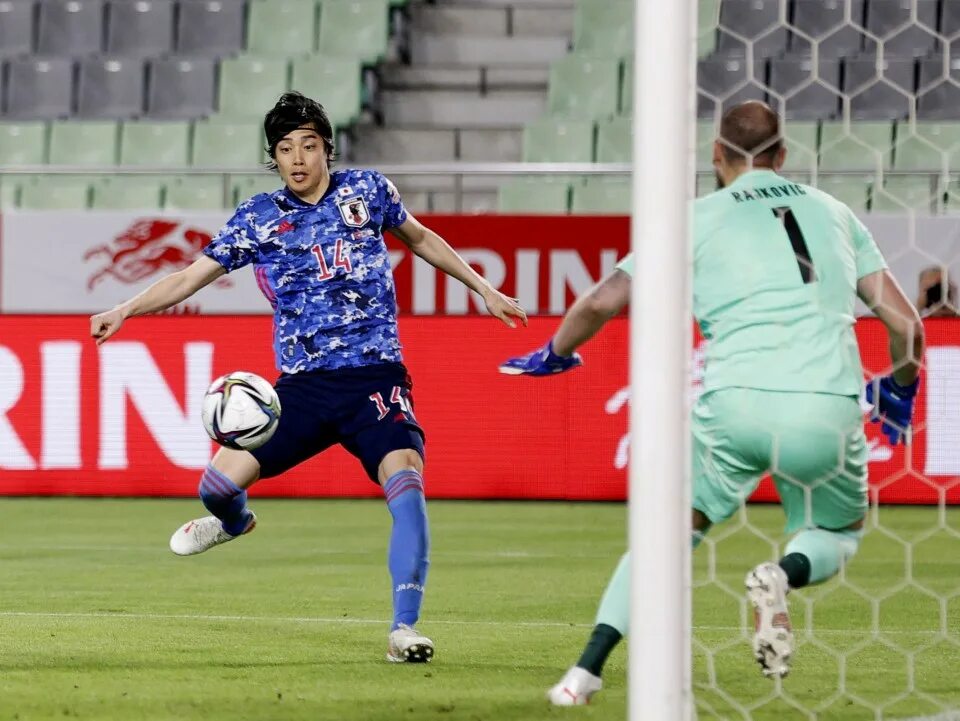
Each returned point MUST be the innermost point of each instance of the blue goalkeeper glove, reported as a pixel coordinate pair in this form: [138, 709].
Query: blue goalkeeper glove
[893, 407]
[541, 362]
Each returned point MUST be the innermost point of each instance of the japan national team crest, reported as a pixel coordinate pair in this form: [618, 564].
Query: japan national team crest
[354, 211]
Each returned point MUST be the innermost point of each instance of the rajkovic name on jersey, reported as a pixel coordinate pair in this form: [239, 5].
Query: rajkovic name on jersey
[773, 192]
[324, 268]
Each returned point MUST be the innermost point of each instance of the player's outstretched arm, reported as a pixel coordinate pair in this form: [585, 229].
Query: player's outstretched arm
[584, 319]
[166, 292]
[438, 253]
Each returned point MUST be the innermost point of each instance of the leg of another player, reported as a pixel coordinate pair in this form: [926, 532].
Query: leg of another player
[400, 475]
[815, 555]
[223, 492]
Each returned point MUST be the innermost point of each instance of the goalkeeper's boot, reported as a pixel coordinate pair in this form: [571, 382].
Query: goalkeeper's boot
[541, 362]
[773, 635]
[202, 534]
[575, 688]
[406, 645]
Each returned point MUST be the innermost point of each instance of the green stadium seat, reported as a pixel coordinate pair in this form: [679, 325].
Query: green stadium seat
[9, 190]
[903, 193]
[246, 186]
[75, 142]
[55, 192]
[615, 140]
[552, 140]
[708, 17]
[281, 27]
[626, 87]
[602, 196]
[706, 136]
[603, 27]
[951, 189]
[534, 196]
[850, 189]
[131, 192]
[334, 82]
[195, 192]
[155, 144]
[584, 86]
[249, 86]
[801, 138]
[859, 147]
[227, 144]
[23, 143]
[706, 184]
[354, 29]
[927, 146]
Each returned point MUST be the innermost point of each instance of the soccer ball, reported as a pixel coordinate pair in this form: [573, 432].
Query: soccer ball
[241, 411]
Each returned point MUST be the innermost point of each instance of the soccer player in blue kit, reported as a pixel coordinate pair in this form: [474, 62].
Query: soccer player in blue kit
[318, 252]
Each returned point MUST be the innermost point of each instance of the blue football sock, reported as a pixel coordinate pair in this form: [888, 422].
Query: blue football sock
[408, 558]
[225, 500]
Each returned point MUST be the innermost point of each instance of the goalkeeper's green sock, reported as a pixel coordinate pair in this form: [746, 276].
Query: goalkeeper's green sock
[816, 554]
[613, 616]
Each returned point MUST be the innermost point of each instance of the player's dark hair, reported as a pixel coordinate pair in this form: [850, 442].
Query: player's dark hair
[750, 133]
[294, 110]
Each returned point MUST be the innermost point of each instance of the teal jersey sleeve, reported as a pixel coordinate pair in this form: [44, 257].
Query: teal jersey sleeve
[626, 265]
[869, 258]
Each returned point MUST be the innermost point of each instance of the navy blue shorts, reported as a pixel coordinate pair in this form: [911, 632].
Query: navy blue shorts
[367, 410]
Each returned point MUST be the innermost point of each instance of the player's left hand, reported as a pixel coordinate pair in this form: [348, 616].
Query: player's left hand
[892, 407]
[504, 307]
[541, 362]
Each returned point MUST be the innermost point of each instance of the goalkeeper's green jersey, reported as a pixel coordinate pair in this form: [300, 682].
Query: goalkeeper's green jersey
[775, 270]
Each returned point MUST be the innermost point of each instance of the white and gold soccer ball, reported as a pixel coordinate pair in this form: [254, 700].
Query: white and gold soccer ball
[241, 410]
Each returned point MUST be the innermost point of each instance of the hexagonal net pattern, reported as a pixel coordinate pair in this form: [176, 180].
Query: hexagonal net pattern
[868, 92]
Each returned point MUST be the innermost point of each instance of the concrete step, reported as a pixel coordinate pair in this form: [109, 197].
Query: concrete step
[460, 77]
[374, 144]
[535, 20]
[491, 145]
[421, 202]
[435, 49]
[460, 20]
[465, 109]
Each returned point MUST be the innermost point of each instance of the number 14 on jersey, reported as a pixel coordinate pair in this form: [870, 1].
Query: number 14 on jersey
[340, 260]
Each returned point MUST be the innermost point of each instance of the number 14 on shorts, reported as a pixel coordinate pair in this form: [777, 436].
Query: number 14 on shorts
[396, 396]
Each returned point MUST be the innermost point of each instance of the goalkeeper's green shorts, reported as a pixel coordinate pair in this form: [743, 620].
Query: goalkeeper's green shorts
[813, 444]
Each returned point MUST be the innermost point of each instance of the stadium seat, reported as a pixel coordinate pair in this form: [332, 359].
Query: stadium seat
[9, 191]
[246, 186]
[552, 140]
[758, 22]
[928, 146]
[535, 196]
[155, 144]
[194, 192]
[891, 20]
[55, 192]
[949, 18]
[708, 16]
[227, 144]
[281, 27]
[706, 135]
[952, 191]
[727, 79]
[130, 192]
[180, 87]
[706, 184]
[615, 140]
[16, 28]
[809, 92]
[850, 189]
[901, 193]
[249, 86]
[602, 196]
[83, 143]
[23, 143]
[938, 93]
[211, 28]
[825, 22]
[334, 82]
[884, 92]
[801, 139]
[39, 88]
[603, 28]
[584, 87]
[140, 29]
[354, 28]
[71, 28]
[110, 88]
[626, 88]
[860, 147]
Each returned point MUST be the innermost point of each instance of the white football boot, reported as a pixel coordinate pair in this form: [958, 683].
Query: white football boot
[202, 534]
[575, 688]
[406, 645]
[773, 635]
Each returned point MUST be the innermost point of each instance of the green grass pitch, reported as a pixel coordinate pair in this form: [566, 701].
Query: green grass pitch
[98, 620]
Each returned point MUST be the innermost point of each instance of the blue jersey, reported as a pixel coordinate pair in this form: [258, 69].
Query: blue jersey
[324, 268]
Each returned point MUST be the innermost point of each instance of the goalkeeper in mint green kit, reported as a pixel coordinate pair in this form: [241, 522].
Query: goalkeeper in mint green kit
[778, 267]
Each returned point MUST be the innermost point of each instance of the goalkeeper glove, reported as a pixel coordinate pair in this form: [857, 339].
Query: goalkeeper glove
[893, 406]
[541, 362]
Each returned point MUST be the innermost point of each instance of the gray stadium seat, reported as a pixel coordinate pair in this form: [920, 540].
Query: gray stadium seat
[212, 28]
[883, 93]
[180, 88]
[39, 88]
[110, 88]
[891, 21]
[938, 97]
[758, 22]
[825, 21]
[726, 78]
[16, 28]
[949, 18]
[807, 95]
[141, 28]
[71, 28]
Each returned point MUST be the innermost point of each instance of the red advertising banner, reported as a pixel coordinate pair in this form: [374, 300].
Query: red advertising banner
[123, 419]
